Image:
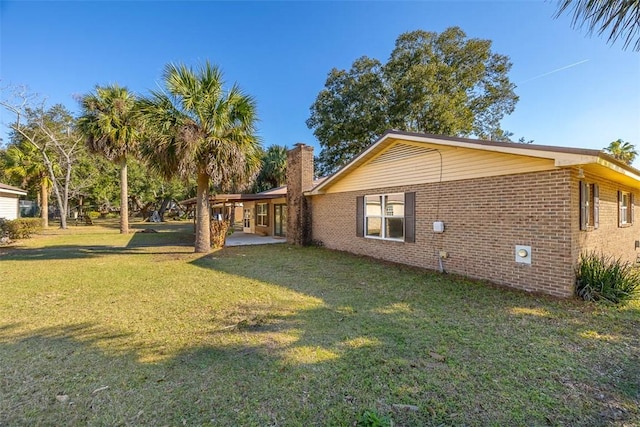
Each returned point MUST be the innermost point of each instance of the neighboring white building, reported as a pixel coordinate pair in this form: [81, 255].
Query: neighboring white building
[9, 197]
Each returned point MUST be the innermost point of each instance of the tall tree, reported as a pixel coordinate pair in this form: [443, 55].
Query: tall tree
[621, 150]
[24, 163]
[273, 172]
[196, 127]
[434, 83]
[619, 18]
[108, 122]
[52, 132]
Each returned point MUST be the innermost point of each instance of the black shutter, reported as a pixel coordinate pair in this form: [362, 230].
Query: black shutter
[596, 206]
[583, 206]
[410, 217]
[360, 216]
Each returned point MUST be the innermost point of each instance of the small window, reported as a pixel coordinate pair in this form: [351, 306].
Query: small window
[384, 216]
[589, 206]
[262, 218]
[625, 208]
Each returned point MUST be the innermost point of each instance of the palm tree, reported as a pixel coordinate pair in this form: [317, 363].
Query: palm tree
[196, 127]
[109, 124]
[274, 168]
[619, 18]
[624, 151]
[23, 162]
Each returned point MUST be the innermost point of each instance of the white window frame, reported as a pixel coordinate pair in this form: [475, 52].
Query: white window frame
[589, 206]
[262, 218]
[626, 205]
[383, 216]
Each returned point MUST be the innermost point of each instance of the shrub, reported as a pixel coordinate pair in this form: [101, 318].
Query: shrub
[606, 279]
[372, 419]
[21, 228]
[219, 230]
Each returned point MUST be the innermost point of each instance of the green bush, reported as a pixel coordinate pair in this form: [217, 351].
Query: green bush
[372, 419]
[606, 279]
[21, 228]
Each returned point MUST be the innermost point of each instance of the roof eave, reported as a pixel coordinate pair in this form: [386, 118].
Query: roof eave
[562, 156]
[15, 192]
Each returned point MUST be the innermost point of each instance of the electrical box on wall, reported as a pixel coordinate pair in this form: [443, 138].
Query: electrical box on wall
[523, 254]
[438, 227]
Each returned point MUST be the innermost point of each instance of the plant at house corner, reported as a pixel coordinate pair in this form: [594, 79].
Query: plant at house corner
[602, 278]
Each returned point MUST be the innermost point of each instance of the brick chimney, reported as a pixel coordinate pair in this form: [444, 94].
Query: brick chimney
[299, 180]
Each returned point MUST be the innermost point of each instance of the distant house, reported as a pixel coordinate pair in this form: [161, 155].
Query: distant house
[9, 201]
[514, 214]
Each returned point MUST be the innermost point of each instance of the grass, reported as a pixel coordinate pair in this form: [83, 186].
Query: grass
[97, 328]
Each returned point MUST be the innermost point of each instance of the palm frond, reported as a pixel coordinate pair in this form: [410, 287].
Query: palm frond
[618, 18]
[108, 122]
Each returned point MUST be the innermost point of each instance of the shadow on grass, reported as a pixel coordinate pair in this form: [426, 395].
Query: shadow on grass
[551, 348]
[169, 236]
[62, 376]
[59, 252]
[373, 336]
[62, 252]
[161, 234]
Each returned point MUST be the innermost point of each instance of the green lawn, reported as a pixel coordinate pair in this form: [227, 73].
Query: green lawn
[97, 328]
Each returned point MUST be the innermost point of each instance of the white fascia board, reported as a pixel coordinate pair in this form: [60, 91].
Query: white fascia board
[616, 168]
[575, 160]
[513, 148]
[7, 191]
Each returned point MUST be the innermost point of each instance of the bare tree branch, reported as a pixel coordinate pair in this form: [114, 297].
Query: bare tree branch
[58, 147]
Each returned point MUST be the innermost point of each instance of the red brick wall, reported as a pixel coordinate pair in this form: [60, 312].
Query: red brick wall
[299, 180]
[608, 238]
[484, 220]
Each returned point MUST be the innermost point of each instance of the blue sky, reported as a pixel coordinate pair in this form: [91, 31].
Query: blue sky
[574, 90]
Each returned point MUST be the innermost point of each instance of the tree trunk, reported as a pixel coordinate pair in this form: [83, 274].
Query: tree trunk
[163, 207]
[203, 233]
[44, 202]
[124, 198]
[144, 211]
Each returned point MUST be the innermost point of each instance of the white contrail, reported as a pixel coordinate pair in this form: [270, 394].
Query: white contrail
[556, 70]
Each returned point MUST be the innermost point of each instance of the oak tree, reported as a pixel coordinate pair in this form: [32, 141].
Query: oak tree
[446, 84]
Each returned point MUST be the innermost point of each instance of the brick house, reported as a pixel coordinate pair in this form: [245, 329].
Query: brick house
[9, 201]
[514, 214]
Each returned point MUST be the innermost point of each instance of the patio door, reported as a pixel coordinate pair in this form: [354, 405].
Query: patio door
[246, 220]
[280, 220]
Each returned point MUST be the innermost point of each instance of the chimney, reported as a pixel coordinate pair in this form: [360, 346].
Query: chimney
[299, 180]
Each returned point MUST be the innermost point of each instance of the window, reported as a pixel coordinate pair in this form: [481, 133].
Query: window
[625, 208]
[384, 216]
[589, 206]
[262, 218]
